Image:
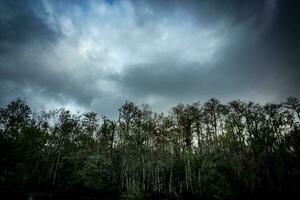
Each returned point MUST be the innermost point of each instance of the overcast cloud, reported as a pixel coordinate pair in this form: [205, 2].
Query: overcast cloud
[94, 55]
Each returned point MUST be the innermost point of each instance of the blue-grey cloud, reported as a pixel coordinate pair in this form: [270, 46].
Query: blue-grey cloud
[96, 54]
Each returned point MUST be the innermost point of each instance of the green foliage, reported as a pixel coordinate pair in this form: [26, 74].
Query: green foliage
[132, 195]
[210, 151]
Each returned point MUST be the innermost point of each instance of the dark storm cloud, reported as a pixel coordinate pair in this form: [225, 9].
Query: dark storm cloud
[20, 28]
[209, 12]
[254, 72]
[25, 40]
[96, 54]
[230, 77]
[266, 65]
[19, 25]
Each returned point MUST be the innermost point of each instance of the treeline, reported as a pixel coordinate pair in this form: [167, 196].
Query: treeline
[204, 151]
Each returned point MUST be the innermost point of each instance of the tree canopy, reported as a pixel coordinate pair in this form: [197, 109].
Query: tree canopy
[207, 150]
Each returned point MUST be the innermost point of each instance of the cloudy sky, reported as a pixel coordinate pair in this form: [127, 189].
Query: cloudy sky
[93, 55]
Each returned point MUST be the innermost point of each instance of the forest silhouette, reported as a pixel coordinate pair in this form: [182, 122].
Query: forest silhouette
[209, 150]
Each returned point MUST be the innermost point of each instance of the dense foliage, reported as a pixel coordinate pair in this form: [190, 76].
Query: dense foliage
[210, 151]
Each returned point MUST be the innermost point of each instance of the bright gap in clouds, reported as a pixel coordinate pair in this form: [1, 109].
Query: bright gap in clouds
[94, 55]
[109, 38]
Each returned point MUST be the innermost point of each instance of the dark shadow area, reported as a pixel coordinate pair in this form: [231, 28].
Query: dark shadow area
[210, 150]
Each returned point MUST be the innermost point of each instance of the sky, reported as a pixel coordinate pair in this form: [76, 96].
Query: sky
[93, 55]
